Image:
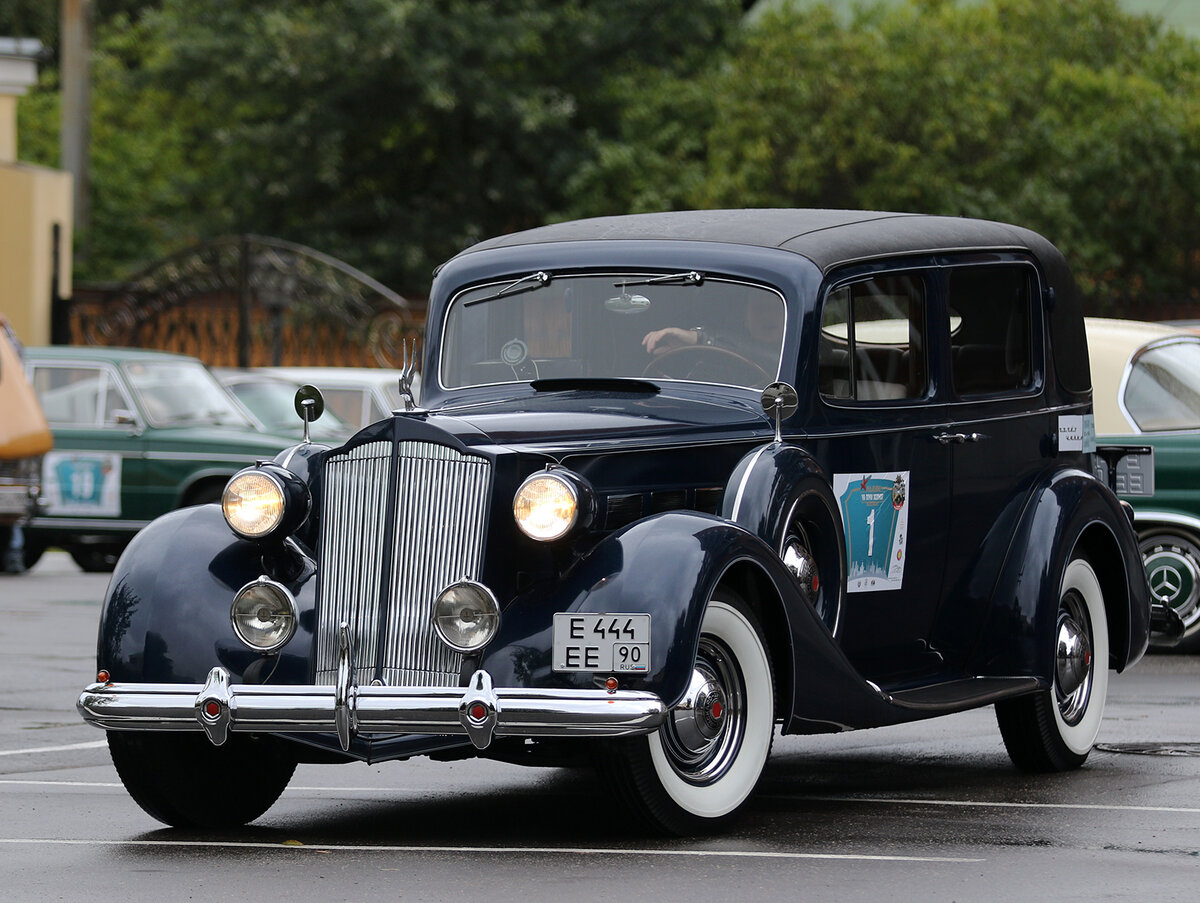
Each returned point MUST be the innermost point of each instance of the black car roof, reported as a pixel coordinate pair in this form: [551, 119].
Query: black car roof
[827, 237]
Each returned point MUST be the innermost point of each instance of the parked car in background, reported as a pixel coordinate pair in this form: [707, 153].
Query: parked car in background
[136, 434]
[357, 395]
[678, 480]
[269, 401]
[1146, 380]
[24, 439]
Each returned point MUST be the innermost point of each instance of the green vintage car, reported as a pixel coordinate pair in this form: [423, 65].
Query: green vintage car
[1146, 384]
[136, 434]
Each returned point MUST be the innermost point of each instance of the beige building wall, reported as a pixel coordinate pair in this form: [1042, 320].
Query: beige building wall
[33, 201]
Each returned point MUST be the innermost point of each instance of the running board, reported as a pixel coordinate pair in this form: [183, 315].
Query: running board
[968, 693]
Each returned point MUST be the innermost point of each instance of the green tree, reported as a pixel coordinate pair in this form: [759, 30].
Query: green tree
[390, 133]
[1072, 117]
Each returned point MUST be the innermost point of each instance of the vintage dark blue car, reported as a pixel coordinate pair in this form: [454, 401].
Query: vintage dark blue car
[678, 480]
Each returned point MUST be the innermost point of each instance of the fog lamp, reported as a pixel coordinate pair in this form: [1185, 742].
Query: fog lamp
[546, 506]
[466, 616]
[263, 615]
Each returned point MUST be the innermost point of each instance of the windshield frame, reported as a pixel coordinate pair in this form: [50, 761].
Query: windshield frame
[476, 295]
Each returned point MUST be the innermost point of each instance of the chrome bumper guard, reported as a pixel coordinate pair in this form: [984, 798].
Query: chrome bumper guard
[479, 711]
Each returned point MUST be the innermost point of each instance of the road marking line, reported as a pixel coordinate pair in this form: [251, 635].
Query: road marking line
[64, 783]
[392, 848]
[983, 803]
[381, 792]
[95, 744]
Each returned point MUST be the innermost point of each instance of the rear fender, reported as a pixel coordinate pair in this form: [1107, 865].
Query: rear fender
[1070, 513]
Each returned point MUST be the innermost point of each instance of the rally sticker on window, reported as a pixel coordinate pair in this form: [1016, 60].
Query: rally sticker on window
[82, 483]
[874, 510]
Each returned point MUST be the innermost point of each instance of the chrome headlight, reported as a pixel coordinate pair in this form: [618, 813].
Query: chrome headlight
[466, 616]
[550, 503]
[263, 615]
[263, 501]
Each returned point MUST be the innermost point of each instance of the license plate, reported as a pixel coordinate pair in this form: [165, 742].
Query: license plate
[608, 642]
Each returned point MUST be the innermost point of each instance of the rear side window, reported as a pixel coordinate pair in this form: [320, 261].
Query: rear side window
[872, 345]
[991, 335]
[1163, 388]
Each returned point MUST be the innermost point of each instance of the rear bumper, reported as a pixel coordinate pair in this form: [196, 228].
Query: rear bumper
[478, 711]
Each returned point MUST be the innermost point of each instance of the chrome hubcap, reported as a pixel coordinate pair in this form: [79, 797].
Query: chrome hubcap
[798, 560]
[698, 718]
[702, 735]
[1073, 659]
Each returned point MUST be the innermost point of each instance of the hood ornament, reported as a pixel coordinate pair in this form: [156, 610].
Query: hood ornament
[408, 372]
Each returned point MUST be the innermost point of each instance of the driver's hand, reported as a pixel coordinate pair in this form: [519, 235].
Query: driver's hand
[661, 341]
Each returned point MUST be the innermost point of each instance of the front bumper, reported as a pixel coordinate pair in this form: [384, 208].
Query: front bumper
[477, 711]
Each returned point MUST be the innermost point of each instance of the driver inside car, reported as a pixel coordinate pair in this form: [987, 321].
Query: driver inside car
[758, 338]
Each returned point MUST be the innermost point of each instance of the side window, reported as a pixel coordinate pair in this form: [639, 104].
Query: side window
[872, 344]
[991, 333]
[1163, 388]
[76, 396]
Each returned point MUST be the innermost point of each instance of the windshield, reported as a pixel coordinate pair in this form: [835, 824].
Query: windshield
[1163, 389]
[177, 393]
[684, 326]
[273, 403]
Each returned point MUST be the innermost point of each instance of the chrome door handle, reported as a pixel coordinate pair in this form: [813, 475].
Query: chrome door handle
[958, 438]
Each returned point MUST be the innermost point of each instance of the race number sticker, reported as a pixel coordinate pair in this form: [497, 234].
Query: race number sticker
[86, 483]
[875, 517]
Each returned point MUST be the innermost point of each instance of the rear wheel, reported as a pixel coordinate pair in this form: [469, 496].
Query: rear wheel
[1055, 729]
[184, 781]
[701, 766]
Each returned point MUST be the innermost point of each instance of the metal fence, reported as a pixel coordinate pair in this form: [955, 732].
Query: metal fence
[247, 301]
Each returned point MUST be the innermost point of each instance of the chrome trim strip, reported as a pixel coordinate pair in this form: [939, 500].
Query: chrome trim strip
[370, 709]
[1166, 517]
[737, 501]
[83, 523]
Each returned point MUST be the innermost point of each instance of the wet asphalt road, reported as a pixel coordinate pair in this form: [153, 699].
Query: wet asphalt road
[929, 812]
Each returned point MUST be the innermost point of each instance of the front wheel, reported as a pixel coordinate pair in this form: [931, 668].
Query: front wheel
[700, 767]
[184, 781]
[1054, 730]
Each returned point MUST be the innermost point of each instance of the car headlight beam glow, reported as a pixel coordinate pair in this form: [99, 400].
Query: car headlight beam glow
[264, 501]
[547, 505]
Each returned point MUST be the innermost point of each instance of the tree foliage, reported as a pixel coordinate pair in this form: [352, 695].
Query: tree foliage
[391, 133]
[1072, 117]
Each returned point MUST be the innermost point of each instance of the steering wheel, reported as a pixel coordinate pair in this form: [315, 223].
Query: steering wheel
[674, 364]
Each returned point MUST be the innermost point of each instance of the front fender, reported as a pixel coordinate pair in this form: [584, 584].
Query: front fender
[166, 614]
[666, 566]
[1070, 513]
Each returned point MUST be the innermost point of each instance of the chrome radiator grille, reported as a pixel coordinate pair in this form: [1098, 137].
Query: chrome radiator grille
[436, 538]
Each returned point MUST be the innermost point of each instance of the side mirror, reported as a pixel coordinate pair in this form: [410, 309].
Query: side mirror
[779, 400]
[310, 405]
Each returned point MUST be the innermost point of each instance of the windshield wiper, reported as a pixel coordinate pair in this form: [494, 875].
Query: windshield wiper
[529, 283]
[689, 278]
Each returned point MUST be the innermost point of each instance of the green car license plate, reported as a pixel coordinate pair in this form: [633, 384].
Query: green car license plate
[601, 642]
